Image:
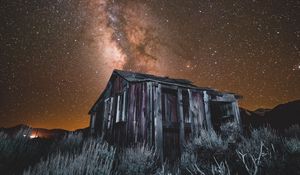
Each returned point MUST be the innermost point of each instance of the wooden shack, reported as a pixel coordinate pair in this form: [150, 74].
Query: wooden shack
[159, 111]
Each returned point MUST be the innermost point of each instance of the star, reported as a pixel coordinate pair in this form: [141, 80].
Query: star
[58, 56]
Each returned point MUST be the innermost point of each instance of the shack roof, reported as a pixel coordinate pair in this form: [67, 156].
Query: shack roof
[135, 77]
[141, 77]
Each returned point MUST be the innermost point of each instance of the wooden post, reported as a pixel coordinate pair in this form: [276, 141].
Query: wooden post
[124, 109]
[158, 121]
[118, 109]
[150, 113]
[207, 110]
[197, 113]
[181, 119]
[92, 124]
[236, 113]
[143, 114]
[107, 107]
[191, 113]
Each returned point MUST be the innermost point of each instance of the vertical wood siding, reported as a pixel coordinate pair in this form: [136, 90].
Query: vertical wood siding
[138, 112]
[196, 111]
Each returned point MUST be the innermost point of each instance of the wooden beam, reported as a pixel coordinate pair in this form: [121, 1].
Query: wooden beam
[236, 113]
[206, 100]
[92, 123]
[181, 119]
[199, 112]
[224, 98]
[143, 115]
[106, 116]
[124, 109]
[191, 102]
[118, 109]
[158, 121]
[150, 113]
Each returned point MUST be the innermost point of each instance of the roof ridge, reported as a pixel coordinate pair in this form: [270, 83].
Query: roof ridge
[135, 75]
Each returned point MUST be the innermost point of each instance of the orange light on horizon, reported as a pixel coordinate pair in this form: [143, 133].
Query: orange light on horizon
[33, 136]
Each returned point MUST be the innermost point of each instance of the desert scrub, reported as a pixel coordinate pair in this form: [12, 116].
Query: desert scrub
[210, 140]
[139, 159]
[71, 142]
[167, 169]
[95, 157]
[292, 145]
[230, 132]
[20, 150]
[266, 136]
[262, 152]
[292, 132]
[188, 157]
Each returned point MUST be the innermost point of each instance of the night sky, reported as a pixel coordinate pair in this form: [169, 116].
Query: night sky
[56, 56]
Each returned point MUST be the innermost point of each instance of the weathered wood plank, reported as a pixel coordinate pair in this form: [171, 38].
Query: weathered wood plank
[143, 112]
[131, 113]
[118, 109]
[197, 113]
[124, 109]
[201, 112]
[181, 119]
[224, 98]
[92, 123]
[105, 116]
[135, 128]
[151, 111]
[158, 121]
[236, 112]
[191, 112]
[207, 110]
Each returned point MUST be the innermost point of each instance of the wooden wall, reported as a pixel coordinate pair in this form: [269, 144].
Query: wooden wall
[132, 113]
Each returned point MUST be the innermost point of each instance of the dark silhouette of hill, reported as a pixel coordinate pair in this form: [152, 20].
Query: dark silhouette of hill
[42, 132]
[284, 115]
[280, 117]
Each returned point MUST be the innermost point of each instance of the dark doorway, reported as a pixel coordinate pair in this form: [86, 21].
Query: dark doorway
[221, 113]
[171, 144]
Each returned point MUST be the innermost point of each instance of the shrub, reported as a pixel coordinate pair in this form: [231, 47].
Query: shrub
[167, 169]
[293, 131]
[257, 153]
[292, 145]
[210, 140]
[139, 159]
[95, 157]
[217, 168]
[20, 150]
[220, 168]
[188, 157]
[71, 142]
[266, 136]
[230, 131]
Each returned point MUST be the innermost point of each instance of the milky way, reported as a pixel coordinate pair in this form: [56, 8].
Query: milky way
[128, 38]
[57, 56]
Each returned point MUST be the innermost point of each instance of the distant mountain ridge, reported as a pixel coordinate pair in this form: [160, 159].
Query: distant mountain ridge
[41, 132]
[280, 117]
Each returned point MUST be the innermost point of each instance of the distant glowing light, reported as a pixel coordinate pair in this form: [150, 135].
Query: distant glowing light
[296, 67]
[32, 136]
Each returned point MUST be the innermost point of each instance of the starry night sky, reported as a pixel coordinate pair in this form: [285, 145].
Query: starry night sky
[56, 56]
